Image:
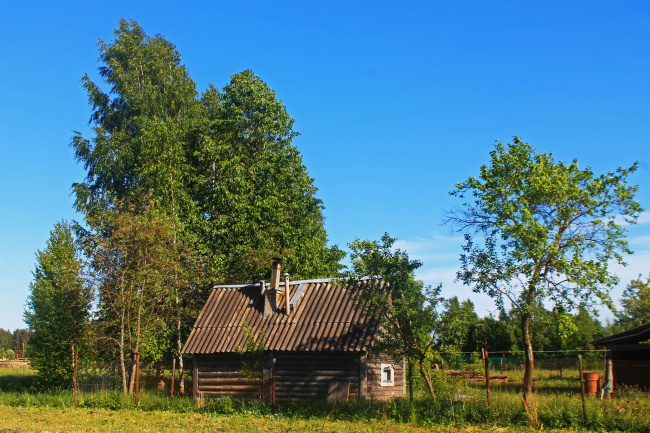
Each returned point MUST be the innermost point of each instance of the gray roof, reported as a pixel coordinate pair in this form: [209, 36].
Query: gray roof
[325, 317]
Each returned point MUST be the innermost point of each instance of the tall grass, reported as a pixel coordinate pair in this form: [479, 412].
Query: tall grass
[456, 403]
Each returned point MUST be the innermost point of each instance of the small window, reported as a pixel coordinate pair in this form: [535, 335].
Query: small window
[387, 375]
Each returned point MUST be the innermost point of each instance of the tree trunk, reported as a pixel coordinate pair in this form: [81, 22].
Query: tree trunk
[122, 360]
[179, 346]
[426, 377]
[528, 368]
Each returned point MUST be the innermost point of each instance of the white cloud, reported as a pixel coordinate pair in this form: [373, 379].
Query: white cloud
[644, 218]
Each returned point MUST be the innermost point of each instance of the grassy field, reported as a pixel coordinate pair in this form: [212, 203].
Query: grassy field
[557, 405]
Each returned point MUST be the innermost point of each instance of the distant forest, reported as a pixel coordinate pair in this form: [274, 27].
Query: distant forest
[13, 341]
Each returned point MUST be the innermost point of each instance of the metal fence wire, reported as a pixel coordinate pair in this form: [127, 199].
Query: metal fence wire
[103, 377]
[503, 363]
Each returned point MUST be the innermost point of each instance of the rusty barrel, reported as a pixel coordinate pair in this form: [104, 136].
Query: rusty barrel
[591, 383]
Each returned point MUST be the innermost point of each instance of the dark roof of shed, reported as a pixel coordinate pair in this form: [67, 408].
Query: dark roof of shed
[324, 317]
[631, 336]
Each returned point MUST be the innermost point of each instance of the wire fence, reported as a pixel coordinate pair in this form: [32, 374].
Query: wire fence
[104, 377]
[504, 363]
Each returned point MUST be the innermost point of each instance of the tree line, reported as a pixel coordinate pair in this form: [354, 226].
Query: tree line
[12, 344]
[186, 189]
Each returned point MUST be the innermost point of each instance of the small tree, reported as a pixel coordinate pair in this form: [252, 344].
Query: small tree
[57, 308]
[404, 308]
[539, 229]
[636, 304]
[139, 270]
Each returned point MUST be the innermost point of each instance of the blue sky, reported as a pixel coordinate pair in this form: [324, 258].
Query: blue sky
[396, 102]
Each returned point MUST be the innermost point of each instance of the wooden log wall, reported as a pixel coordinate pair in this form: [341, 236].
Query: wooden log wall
[313, 376]
[220, 375]
[285, 376]
[375, 390]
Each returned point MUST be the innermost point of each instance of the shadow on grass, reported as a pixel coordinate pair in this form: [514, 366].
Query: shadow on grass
[17, 380]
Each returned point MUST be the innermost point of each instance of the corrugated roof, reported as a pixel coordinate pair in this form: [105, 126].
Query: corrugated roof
[631, 336]
[325, 317]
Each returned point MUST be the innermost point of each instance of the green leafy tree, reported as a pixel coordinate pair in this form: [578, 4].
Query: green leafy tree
[459, 321]
[221, 167]
[497, 332]
[138, 268]
[6, 339]
[143, 133]
[540, 229]
[20, 339]
[254, 191]
[404, 308]
[636, 304]
[58, 308]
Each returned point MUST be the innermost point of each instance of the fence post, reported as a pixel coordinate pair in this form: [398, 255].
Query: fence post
[137, 378]
[582, 389]
[487, 372]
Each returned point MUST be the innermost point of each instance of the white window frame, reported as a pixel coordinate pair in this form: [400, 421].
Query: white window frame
[387, 373]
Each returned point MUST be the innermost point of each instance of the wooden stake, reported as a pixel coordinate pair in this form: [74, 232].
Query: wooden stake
[582, 389]
[487, 372]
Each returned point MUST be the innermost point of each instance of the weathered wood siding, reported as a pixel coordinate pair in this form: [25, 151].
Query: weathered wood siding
[285, 376]
[219, 375]
[314, 376]
[375, 390]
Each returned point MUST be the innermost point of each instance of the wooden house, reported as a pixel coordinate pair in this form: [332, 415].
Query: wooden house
[312, 342]
[629, 352]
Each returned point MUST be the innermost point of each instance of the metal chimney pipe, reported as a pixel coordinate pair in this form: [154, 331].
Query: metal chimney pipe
[287, 307]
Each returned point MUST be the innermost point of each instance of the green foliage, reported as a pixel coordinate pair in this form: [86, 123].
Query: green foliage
[142, 126]
[10, 354]
[20, 339]
[458, 328]
[636, 304]
[6, 339]
[138, 268]
[539, 229]
[222, 166]
[549, 230]
[254, 191]
[404, 308]
[58, 308]
[252, 353]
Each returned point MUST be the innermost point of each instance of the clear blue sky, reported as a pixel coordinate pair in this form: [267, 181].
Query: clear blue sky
[396, 102]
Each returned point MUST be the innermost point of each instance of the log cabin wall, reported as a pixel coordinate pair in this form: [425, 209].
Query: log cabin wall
[284, 376]
[221, 375]
[393, 384]
[316, 376]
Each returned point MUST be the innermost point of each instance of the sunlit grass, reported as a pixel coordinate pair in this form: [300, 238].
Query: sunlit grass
[557, 401]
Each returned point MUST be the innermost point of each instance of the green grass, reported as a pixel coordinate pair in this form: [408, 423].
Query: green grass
[557, 404]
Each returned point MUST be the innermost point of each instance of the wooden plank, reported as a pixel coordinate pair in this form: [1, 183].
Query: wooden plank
[230, 389]
[228, 382]
[316, 372]
[207, 374]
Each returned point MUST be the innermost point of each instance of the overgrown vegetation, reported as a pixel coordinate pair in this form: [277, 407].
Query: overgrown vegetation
[457, 404]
